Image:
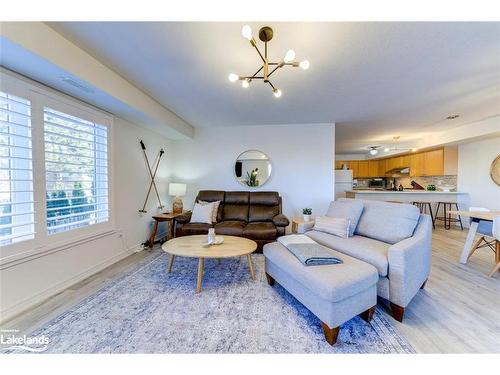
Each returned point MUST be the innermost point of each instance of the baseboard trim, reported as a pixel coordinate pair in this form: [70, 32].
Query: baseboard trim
[57, 288]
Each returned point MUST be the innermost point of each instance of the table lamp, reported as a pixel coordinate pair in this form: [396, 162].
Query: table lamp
[177, 190]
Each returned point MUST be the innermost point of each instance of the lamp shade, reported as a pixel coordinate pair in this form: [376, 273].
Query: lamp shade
[176, 189]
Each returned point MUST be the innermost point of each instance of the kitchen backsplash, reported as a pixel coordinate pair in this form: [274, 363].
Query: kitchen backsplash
[430, 180]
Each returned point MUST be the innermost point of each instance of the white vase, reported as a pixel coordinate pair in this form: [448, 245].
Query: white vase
[307, 217]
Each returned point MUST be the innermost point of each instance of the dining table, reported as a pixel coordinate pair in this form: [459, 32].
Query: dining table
[476, 217]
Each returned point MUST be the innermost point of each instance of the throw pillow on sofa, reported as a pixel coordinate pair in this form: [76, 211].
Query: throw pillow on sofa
[333, 225]
[202, 213]
[215, 209]
[346, 209]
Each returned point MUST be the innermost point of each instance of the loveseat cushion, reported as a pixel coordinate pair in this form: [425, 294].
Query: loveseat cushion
[388, 222]
[262, 213]
[264, 198]
[190, 229]
[236, 206]
[363, 248]
[260, 231]
[346, 208]
[230, 228]
[334, 282]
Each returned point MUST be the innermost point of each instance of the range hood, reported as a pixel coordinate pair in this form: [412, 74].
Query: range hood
[402, 170]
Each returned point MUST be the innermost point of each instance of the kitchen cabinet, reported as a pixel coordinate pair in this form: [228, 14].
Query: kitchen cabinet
[394, 163]
[382, 167]
[405, 161]
[350, 164]
[434, 163]
[443, 161]
[363, 170]
[373, 170]
[353, 164]
[417, 165]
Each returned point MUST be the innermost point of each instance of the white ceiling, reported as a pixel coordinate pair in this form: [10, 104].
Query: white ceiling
[375, 80]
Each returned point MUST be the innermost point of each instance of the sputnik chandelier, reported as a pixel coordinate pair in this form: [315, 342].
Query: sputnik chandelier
[265, 35]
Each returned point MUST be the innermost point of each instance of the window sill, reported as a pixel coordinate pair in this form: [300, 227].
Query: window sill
[37, 252]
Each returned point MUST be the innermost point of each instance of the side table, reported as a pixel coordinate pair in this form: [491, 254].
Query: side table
[160, 218]
[300, 226]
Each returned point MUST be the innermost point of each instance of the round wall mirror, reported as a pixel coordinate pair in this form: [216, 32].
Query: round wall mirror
[252, 168]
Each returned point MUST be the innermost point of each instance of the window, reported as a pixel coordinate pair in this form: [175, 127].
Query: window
[76, 172]
[55, 169]
[16, 174]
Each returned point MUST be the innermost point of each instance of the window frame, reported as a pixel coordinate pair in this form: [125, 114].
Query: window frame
[40, 97]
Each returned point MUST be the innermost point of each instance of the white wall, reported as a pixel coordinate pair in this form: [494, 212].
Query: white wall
[28, 282]
[474, 161]
[302, 157]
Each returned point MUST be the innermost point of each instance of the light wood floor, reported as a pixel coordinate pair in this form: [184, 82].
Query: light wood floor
[458, 312]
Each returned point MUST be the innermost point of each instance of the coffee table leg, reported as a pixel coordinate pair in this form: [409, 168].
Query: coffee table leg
[250, 265]
[170, 263]
[200, 275]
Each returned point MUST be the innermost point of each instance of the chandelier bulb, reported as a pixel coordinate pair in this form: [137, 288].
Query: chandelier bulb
[277, 93]
[233, 77]
[289, 56]
[245, 83]
[387, 149]
[304, 64]
[246, 32]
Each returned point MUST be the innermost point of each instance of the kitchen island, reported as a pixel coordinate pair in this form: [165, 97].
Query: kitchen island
[410, 196]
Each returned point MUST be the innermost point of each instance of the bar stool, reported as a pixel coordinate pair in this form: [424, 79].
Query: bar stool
[447, 206]
[422, 206]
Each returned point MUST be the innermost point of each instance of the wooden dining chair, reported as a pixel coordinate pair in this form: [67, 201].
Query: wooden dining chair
[496, 234]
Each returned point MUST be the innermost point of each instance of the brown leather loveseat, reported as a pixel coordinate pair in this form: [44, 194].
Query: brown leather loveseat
[254, 215]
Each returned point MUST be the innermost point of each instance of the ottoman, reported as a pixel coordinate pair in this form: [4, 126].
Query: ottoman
[334, 293]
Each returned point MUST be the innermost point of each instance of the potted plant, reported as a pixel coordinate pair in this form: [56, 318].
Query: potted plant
[307, 213]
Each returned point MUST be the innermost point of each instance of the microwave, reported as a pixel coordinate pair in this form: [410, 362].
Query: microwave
[377, 183]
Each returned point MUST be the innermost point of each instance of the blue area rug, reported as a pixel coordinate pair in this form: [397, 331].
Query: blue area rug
[149, 311]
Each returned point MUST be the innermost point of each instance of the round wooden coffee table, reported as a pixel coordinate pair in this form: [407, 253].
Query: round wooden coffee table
[191, 246]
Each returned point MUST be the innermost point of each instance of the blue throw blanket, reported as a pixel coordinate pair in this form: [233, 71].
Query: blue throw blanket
[313, 254]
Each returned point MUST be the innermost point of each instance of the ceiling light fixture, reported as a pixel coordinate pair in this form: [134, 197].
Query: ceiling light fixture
[452, 117]
[373, 150]
[265, 35]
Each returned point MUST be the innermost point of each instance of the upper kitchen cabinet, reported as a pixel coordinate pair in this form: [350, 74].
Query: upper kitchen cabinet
[417, 164]
[433, 163]
[363, 170]
[382, 167]
[373, 168]
[443, 161]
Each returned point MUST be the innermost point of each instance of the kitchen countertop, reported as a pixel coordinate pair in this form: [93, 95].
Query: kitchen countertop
[404, 192]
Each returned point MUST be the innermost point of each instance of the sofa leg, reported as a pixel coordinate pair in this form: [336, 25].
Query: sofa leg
[423, 285]
[397, 312]
[368, 314]
[270, 279]
[331, 334]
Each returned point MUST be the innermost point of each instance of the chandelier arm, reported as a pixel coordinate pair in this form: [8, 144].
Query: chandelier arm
[253, 76]
[260, 54]
[275, 69]
[274, 88]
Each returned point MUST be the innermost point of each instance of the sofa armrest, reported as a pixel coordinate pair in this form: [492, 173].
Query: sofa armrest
[281, 220]
[410, 263]
[183, 218]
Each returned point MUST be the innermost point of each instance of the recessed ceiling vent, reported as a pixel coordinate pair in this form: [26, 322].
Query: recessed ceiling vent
[78, 85]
